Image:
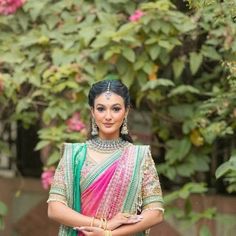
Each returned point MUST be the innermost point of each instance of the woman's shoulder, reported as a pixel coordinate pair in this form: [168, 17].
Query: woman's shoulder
[71, 145]
[142, 150]
[143, 146]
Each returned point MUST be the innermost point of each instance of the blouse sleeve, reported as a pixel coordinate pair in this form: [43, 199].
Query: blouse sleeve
[151, 188]
[58, 187]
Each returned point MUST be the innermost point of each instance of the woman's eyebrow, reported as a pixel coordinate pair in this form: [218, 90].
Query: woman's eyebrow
[116, 104]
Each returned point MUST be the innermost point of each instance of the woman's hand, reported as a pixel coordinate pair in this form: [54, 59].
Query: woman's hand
[91, 231]
[118, 220]
[123, 219]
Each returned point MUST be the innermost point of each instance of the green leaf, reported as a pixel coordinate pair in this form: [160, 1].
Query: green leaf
[148, 67]
[165, 44]
[178, 67]
[195, 61]
[210, 52]
[177, 150]
[184, 194]
[154, 51]
[35, 8]
[182, 111]
[225, 168]
[205, 231]
[200, 161]
[42, 144]
[23, 104]
[87, 34]
[183, 89]
[100, 42]
[3, 209]
[129, 54]
[128, 77]
[185, 169]
[53, 158]
[152, 84]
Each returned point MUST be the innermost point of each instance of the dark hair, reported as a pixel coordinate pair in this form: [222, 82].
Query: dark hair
[115, 86]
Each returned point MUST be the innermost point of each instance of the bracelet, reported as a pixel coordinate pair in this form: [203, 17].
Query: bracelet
[108, 233]
[101, 223]
[92, 222]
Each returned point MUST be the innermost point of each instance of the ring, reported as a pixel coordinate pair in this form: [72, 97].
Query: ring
[127, 215]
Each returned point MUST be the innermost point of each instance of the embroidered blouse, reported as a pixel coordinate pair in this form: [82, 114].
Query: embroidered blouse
[150, 195]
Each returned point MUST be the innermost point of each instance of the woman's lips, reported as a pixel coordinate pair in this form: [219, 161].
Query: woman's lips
[108, 125]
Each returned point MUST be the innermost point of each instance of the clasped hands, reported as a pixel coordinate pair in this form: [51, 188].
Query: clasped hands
[105, 228]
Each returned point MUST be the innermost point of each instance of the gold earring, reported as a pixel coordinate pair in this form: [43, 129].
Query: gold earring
[94, 130]
[124, 128]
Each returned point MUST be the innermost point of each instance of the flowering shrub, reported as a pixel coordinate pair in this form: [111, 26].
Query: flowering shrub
[8, 7]
[136, 16]
[75, 123]
[47, 177]
[173, 61]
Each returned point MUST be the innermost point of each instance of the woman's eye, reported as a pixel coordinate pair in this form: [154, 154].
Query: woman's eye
[116, 109]
[100, 109]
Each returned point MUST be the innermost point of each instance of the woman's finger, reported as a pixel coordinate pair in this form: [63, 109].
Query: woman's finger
[86, 228]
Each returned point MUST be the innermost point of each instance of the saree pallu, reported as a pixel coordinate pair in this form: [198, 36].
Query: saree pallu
[108, 188]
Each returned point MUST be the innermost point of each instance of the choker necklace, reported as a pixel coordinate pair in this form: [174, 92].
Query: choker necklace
[100, 145]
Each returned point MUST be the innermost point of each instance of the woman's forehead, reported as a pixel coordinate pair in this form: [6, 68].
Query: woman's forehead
[109, 99]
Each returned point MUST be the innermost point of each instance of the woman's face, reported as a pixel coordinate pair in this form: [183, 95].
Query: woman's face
[109, 113]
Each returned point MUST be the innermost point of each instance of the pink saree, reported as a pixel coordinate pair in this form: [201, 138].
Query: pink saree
[125, 182]
[105, 196]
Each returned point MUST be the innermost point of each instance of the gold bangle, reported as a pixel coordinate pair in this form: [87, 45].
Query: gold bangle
[92, 222]
[108, 233]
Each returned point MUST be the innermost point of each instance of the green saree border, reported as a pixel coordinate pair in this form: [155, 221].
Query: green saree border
[74, 154]
[96, 172]
[135, 186]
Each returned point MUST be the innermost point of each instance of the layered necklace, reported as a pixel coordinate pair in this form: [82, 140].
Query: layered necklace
[105, 146]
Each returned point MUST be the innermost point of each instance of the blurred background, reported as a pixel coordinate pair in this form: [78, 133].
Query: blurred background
[178, 59]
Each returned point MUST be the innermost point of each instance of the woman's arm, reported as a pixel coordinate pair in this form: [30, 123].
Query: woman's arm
[65, 215]
[150, 218]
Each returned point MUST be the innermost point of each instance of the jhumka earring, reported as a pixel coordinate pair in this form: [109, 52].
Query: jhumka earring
[94, 130]
[124, 128]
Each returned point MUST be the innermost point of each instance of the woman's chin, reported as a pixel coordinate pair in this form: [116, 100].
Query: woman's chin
[109, 132]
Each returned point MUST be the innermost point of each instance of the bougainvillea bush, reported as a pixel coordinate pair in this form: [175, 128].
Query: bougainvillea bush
[177, 58]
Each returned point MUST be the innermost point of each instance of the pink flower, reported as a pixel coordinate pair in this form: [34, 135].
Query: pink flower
[8, 7]
[47, 178]
[74, 123]
[136, 16]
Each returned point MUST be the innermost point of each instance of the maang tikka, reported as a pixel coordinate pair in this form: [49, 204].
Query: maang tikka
[94, 130]
[108, 92]
[124, 128]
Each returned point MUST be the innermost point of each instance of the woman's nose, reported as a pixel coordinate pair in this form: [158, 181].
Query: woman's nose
[108, 115]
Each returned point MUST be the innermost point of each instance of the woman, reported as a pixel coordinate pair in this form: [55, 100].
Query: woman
[106, 186]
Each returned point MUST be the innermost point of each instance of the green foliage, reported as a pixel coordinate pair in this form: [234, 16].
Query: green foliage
[180, 66]
[3, 212]
[228, 169]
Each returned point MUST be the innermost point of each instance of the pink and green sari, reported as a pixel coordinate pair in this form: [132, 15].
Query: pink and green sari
[104, 189]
